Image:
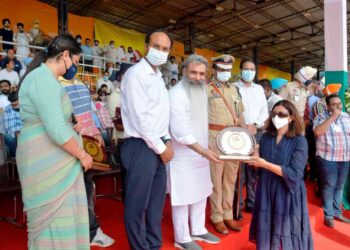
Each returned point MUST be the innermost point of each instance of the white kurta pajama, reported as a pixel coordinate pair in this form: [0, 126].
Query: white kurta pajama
[189, 173]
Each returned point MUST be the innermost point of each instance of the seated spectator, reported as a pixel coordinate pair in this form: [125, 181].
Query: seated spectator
[271, 96]
[104, 80]
[104, 90]
[13, 123]
[26, 61]
[103, 114]
[88, 53]
[9, 74]
[5, 89]
[6, 34]
[97, 51]
[24, 38]
[331, 129]
[11, 56]
[130, 55]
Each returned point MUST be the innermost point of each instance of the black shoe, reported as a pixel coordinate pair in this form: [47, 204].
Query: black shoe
[329, 223]
[239, 217]
[342, 219]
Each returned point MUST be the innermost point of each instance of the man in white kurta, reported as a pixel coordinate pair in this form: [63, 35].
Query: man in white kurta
[189, 173]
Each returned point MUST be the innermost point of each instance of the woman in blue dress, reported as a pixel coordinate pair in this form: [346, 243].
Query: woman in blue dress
[280, 216]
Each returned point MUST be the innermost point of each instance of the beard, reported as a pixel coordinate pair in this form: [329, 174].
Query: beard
[5, 92]
[197, 94]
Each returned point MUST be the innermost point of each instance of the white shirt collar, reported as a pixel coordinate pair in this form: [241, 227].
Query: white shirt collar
[147, 67]
[240, 84]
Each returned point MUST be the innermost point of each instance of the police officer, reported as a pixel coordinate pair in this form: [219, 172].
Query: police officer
[225, 108]
[296, 91]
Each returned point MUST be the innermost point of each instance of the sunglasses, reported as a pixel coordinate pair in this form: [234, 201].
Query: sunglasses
[279, 114]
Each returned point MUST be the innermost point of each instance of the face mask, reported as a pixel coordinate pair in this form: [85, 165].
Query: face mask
[223, 76]
[279, 122]
[105, 78]
[21, 31]
[96, 44]
[71, 71]
[156, 57]
[17, 110]
[27, 60]
[112, 45]
[248, 75]
[78, 40]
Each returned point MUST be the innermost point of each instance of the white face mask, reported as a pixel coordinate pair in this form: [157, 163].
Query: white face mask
[279, 122]
[156, 57]
[223, 76]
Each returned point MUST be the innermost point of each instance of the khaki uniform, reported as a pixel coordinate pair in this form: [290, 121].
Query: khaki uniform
[223, 175]
[297, 95]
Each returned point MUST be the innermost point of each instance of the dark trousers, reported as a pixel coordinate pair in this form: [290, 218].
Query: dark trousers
[332, 179]
[309, 134]
[89, 187]
[145, 188]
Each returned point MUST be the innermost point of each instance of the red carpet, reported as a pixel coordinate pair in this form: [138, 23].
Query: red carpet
[111, 217]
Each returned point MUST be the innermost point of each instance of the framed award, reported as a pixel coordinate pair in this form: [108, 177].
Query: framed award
[97, 152]
[235, 143]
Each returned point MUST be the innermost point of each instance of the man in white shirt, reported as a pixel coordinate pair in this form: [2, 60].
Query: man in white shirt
[111, 51]
[255, 113]
[189, 171]
[9, 74]
[271, 96]
[172, 69]
[24, 38]
[5, 89]
[147, 144]
[104, 80]
[97, 51]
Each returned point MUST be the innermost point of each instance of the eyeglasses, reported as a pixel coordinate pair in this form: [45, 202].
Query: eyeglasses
[280, 114]
[339, 104]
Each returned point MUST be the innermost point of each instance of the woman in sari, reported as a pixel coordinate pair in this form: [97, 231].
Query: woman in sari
[49, 154]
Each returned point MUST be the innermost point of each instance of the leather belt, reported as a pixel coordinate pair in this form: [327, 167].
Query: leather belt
[216, 127]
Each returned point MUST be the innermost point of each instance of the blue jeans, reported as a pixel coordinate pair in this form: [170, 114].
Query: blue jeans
[11, 145]
[332, 177]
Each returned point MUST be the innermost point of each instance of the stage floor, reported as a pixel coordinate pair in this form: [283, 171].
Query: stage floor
[110, 213]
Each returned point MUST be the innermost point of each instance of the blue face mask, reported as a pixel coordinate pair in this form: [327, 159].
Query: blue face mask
[248, 75]
[27, 60]
[71, 71]
[105, 78]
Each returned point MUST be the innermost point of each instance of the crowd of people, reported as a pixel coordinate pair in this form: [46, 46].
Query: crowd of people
[165, 121]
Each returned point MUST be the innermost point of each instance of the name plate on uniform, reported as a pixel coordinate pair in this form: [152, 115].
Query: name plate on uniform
[97, 152]
[235, 143]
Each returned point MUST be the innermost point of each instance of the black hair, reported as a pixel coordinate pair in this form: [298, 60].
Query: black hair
[265, 83]
[148, 36]
[13, 97]
[20, 24]
[111, 41]
[56, 47]
[172, 79]
[172, 57]
[103, 85]
[5, 20]
[330, 97]
[117, 63]
[8, 60]
[245, 61]
[5, 80]
[87, 39]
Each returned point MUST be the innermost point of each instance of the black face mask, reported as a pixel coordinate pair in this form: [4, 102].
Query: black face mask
[17, 110]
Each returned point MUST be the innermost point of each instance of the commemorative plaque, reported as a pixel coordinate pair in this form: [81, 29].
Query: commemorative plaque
[235, 143]
[97, 152]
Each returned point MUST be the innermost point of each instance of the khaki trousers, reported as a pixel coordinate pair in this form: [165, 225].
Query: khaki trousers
[224, 178]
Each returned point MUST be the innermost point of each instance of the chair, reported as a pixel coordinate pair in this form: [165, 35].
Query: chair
[115, 169]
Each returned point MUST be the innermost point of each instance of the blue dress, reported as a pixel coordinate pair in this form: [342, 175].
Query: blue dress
[280, 216]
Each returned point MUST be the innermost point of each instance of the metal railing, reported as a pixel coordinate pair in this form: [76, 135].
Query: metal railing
[104, 60]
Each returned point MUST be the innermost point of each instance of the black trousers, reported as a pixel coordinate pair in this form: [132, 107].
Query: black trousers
[145, 189]
[89, 187]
